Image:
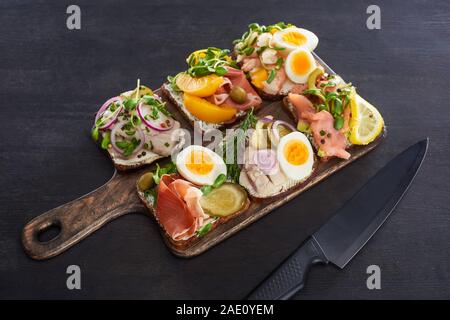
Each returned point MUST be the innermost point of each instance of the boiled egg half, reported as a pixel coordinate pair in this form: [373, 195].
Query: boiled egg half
[299, 64]
[295, 156]
[295, 38]
[200, 165]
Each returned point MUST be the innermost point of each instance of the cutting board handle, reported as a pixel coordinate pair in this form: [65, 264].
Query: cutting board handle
[79, 218]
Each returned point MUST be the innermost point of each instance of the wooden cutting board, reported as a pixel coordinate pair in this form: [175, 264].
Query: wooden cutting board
[79, 218]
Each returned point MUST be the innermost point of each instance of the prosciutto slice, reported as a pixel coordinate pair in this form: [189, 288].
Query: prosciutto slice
[276, 84]
[178, 208]
[235, 77]
[326, 137]
[250, 64]
[221, 94]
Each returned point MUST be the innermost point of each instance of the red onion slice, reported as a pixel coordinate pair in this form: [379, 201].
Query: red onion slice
[277, 123]
[109, 125]
[112, 117]
[117, 130]
[162, 123]
[266, 160]
[267, 119]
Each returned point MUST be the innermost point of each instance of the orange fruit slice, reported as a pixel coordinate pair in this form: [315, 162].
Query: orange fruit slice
[258, 77]
[207, 111]
[200, 87]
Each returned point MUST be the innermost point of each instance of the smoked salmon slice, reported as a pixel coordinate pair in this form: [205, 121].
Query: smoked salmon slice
[326, 138]
[304, 107]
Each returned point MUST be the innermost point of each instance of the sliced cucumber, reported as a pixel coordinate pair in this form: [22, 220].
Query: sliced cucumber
[225, 200]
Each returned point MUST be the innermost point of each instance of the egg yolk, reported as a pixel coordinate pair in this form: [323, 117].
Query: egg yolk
[199, 163]
[294, 38]
[296, 152]
[301, 63]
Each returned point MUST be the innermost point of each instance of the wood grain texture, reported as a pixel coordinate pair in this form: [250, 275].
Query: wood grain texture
[53, 80]
[81, 217]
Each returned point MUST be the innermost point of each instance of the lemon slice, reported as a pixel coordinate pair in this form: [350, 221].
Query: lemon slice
[366, 122]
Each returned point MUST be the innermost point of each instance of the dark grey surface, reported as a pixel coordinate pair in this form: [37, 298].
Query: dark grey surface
[52, 80]
[355, 223]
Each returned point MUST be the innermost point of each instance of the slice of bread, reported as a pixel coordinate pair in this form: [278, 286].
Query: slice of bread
[268, 96]
[134, 162]
[271, 190]
[176, 98]
[145, 156]
[181, 244]
[290, 109]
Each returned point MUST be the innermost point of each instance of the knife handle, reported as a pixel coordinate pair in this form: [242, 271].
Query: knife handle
[290, 276]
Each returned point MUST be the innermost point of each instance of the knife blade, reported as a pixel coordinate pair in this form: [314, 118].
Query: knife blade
[349, 229]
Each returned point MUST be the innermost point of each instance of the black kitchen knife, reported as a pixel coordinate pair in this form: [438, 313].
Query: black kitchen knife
[348, 230]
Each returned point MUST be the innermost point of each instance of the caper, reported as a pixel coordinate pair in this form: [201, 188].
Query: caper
[145, 181]
[238, 95]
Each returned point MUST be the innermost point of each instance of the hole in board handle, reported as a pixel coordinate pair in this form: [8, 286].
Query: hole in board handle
[49, 231]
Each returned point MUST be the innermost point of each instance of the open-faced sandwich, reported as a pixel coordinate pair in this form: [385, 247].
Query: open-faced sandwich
[277, 158]
[213, 92]
[190, 197]
[135, 128]
[277, 58]
[333, 115]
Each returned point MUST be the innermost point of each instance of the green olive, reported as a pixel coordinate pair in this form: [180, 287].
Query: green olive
[145, 181]
[238, 95]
